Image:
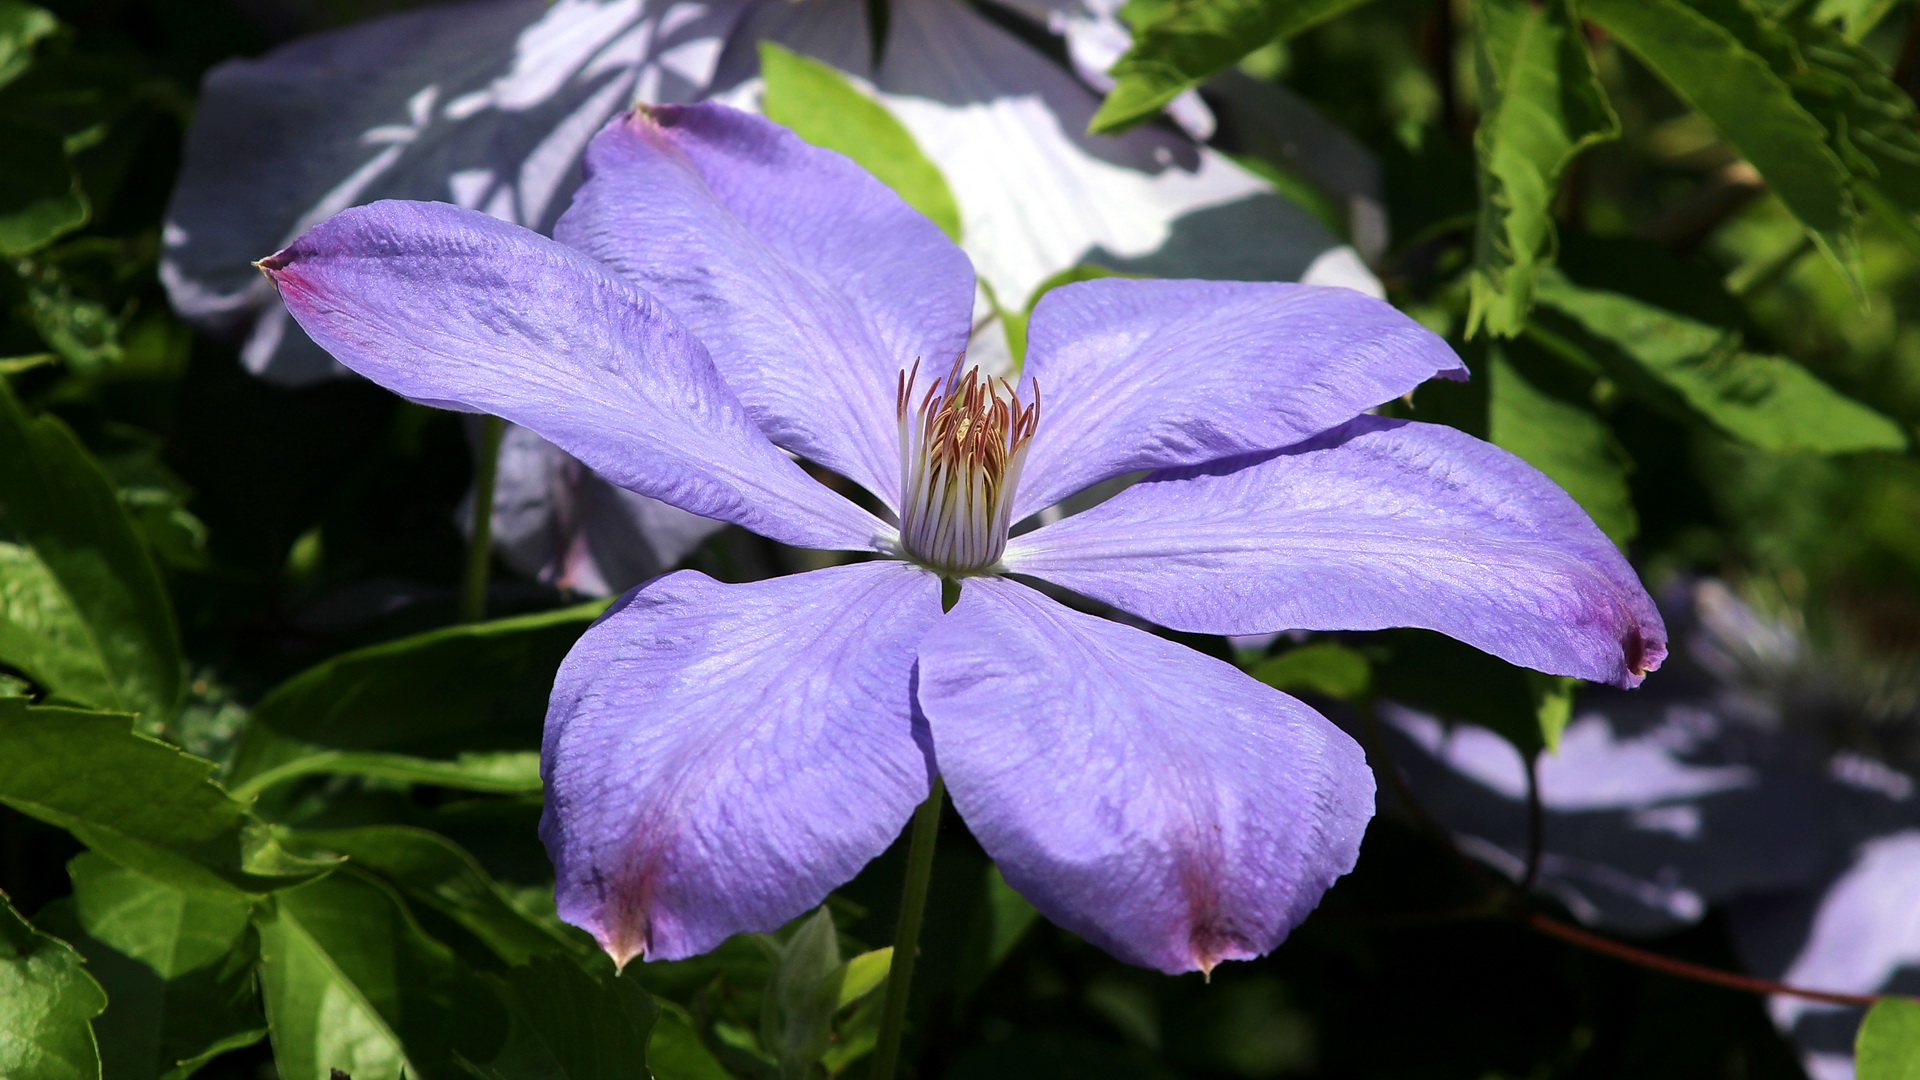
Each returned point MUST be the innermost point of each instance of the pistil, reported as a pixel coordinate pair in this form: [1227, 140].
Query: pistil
[961, 451]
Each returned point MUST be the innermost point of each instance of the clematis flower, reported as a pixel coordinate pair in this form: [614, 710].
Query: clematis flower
[719, 756]
[488, 104]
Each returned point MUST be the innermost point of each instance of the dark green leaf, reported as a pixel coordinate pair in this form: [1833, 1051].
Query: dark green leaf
[1766, 401]
[1889, 1042]
[22, 26]
[1571, 445]
[1321, 668]
[463, 689]
[82, 609]
[138, 801]
[572, 1024]
[46, 1001]
[675, 1052]
[1542, 104]
[39, 198]
[1458, 682]
[353, 983]
[822, 107]
[435, 873]
[1175, 45]
[1737, 90]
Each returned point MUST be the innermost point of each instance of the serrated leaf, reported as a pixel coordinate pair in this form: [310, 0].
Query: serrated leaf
[46, 1001]
[1766, 401]
[352, 983]
[1542, 105]
[822, 107]
[1755, 110]
[82, 608]
[1888, 1047]
[1323, 667]
[471, 689]
[433, 872]
[572, 1024]
[1185, 41]
[1570, 444]
[138, 801]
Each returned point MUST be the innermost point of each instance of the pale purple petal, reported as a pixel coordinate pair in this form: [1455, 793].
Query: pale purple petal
[484, 104]
[453, 308]
[1156, 801]
[718, 757]
[1380, 523]
[811, 282]
[1155, 374]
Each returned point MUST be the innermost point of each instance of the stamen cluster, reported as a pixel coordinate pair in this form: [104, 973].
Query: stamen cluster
[961, 452]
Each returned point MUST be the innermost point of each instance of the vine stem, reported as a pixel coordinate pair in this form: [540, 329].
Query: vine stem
[906, 938]
[486, 472]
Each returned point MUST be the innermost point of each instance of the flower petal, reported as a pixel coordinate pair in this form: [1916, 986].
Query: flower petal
[810, 281]
[1153, 800]
[1038, 194]
[718, 757]
[484, 104]
[453, 308]
[1153, 374]
[556, 520]
[1379, 523]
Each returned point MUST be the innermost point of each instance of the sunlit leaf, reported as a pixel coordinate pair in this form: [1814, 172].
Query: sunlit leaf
[822, 107]
[1323, 667]
[1542, 104]
[138, 801]
[1177, 44]
[1889, 1042]
[46, 1000]
[82, 608]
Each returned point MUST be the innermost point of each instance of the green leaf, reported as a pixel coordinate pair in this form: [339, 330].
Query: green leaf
[1552, 704]
[82, 609]
[138, 801]
[1458, 682]
[353, 983]
[1321, 668]
[822, 107]
[1569, 443]
[1888, 1047]
[1766, 401]
[39, 197]
[177, 967]
[435, 873]
[572, 1024]
[1751, 106]
[22, 26]
[1542, 105]
[463, 690]
[675, 1052]
[508, 772]
[1178, 44]
[46, 1001]
[861, 976]
[796, 1015]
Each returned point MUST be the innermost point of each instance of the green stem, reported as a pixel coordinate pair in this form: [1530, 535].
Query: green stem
[906, 939]
[486, 469]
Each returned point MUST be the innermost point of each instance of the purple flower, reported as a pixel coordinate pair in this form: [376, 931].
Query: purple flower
[719, 756]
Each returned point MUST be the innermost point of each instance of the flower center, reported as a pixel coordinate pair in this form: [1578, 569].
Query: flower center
[960, 457]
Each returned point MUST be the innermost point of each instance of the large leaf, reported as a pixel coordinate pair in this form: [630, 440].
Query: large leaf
[46, 1001]
[138, 801]
[435, 873]
[1571, 445]
[463, 689]
[39, 197]
[1739, 92]
[177, 967]
[822, 107]
[572, 1024]
[1542, 105]
[82, 609]
[1177, 44]
[1889, 1043]
[1766, 401]
[353, 983]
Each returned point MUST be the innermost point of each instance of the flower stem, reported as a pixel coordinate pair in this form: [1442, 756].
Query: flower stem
[906, 938]
[486, 469]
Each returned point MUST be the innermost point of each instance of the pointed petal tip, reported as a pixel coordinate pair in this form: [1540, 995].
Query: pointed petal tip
[622, 943]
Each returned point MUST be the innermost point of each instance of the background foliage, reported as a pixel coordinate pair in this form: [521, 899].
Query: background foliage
[259, 781]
